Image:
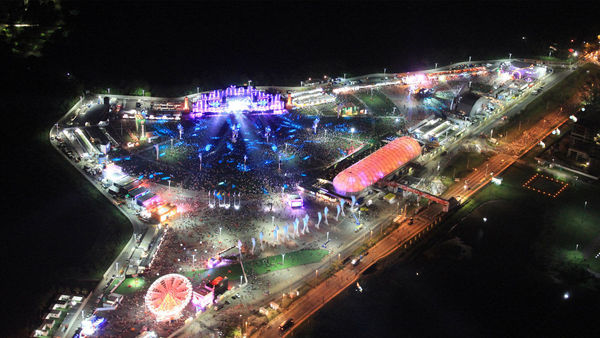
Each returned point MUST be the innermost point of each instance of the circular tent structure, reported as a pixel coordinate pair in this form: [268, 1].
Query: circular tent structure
[376, 166]
[168, 296]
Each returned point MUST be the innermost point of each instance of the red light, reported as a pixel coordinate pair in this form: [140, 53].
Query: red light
[571, 50]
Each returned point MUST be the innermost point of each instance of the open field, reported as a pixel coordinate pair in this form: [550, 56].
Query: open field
[378, 103]
[559, 227]
[131, 285]
[261, 266]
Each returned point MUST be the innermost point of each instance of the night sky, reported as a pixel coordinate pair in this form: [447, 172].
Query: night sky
[284, 42]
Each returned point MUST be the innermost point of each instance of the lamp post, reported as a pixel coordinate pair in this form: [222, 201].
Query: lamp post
[509, 56]
[469, 59]
[584, 209]
[352, 130]
[435, 65]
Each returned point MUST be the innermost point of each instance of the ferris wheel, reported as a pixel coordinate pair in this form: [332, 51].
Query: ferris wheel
[168, 296]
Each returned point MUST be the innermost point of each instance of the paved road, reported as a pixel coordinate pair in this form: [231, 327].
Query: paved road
[325, 291]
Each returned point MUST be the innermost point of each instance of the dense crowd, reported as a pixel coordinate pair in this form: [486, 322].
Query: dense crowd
[224, 165]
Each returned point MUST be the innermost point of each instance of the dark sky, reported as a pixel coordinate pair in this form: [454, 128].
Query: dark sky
[218, 43]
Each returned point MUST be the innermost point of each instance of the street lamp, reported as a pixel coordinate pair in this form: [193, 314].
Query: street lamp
[584, 209]
[509, 56]
[352, 130]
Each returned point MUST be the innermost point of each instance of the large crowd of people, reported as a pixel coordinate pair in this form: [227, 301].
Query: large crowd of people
[200, 232]
[251, 164]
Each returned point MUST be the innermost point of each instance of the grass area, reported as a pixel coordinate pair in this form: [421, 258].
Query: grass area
[378, 103]
[559, 229]
[559, 95]
[551, 58]
[131, 285]
[113, 283]
[262, 265]
[347, 98]
[462, 164]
